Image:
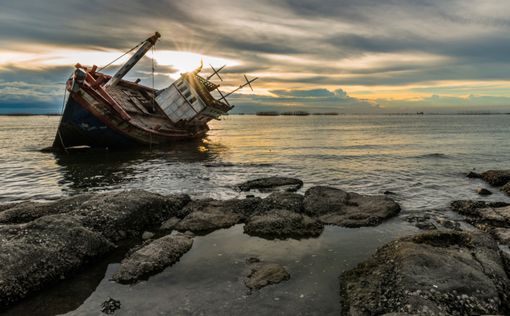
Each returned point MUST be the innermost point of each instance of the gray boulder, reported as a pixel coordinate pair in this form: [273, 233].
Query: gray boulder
[152, 258]
[281, 200]
[436, 273]
[282, 224]
[43, 251]
[506, 189]
[243, 207]
[338, 207]
[496, 177]
[263, 274]
[483, 214]
[272, 184]
[208, 220]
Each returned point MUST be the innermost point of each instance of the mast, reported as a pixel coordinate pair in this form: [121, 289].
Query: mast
[147, 44]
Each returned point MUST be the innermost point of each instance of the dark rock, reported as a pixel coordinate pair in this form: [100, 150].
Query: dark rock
[389, 193]
[282, 224]
[243, 207]
[473, 175]
[502, 235]
[435, 273]
[264, 274]
[281, 200]
[147, 235]
[483, 191]
[170, 223]
[338, 207]
[152, 258]
[110, 306]
[482, 213]
[252, 260]
[208, 220]
[496, 177]
[43, 251]
[506, 189]
[272, 184]
[425, 225]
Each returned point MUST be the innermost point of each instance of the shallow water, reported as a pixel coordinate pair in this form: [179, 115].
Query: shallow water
[423, 159]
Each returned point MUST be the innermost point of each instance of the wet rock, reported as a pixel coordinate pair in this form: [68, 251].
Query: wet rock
[431, 220]
[242, 207]
[496, 177]
[473, 175]
[338, 207]
[210, 218]
[263, 274]
[272, 184]
[110, 306]
[152, 258]
[170, 223]
[389, 193]
[282, 224]
[434, 273]
[481, 213]
[506, 189]
[281, 200]
[502, 235]
[131, 211]
[43, 251]
[147, 235]
[483, 191]
[27, 211]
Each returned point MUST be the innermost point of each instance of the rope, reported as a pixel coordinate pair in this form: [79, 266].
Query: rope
[129, 51]
[153, 93]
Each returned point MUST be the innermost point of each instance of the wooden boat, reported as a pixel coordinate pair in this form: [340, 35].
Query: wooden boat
[107, 111]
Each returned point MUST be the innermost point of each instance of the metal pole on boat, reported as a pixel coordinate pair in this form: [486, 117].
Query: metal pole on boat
[151, 41]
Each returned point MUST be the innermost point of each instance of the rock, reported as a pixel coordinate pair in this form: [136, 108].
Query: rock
[502, 235]
[147, 235]
[432, 219]
[506, 189]
[110, 306]
[209, 219]
[152, 258]
[496, 177]
[473, 175]
[482, 213]
[282, 224]
[170, 223]
[108, 213]
[338, 207]
[272, 184]
[243, 207]
[389, 193]
[483, 191]
[263, 274]
[435, 273]
[281, 200]
[44, 251]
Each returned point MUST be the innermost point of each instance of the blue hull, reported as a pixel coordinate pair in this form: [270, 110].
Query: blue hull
[79, 127]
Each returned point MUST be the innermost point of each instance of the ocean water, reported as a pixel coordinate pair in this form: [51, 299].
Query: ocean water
[422, 159]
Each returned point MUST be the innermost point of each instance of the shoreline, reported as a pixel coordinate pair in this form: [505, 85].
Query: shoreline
[106, 220]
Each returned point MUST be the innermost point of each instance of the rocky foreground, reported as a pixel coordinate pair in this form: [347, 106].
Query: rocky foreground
[455, 266]
[43, 243]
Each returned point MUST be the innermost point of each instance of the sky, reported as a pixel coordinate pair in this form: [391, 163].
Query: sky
[363, 56]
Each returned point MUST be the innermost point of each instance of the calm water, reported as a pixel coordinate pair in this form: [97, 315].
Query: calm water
[421, 158]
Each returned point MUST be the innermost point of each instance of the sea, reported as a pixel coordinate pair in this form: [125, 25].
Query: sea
[422, 159]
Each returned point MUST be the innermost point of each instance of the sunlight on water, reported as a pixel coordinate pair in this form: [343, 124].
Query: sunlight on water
[421, 158]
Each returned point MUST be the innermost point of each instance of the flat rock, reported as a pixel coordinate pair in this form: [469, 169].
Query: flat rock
[281, 200]
[338, 207]
[272, 184]
[496, 177]
[244, 207]
[435, 273]
[263, 274]
[282, 224]
[170, 223]
[483, 191]
[44, 251]
[152, 258]
[506, 189]
[482, 213]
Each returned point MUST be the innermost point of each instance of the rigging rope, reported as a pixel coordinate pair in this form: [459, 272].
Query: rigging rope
[129, 51]
[61, 117]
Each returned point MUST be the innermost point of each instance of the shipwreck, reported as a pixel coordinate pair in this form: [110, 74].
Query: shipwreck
[107, 111]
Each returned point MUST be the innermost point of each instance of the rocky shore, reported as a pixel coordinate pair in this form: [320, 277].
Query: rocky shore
[457, 266]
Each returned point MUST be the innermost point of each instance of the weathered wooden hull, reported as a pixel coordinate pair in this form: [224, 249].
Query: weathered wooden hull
[89, 121]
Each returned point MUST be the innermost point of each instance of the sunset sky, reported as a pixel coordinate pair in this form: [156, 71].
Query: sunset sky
[363, 56]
